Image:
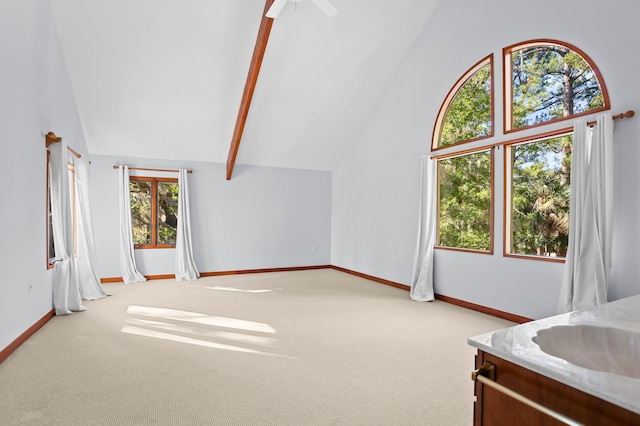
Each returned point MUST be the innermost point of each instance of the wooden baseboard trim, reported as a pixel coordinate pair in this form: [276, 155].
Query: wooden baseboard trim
[148, 277]
[219, 273]
[4, 354]
[485, 310]
[468, 305]
[372, 278]
[259, 271]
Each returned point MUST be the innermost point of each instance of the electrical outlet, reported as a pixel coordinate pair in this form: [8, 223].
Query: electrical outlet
[201, 251]
[313, 248]
[29, 287]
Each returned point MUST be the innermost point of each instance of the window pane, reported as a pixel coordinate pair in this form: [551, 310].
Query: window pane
[465, 201]
[469, 114]
[167, 212]
[549, 82]
[540, 197]
[141, 211]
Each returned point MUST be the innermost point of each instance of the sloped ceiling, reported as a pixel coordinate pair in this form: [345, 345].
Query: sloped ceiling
[164, 78]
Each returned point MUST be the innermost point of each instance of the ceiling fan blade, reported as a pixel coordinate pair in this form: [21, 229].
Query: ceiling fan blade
[326, 7]
[275, 8]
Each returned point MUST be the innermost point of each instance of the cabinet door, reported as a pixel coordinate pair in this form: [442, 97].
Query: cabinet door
[495, 408]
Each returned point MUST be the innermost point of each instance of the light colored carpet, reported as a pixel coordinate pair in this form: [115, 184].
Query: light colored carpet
[317, 347]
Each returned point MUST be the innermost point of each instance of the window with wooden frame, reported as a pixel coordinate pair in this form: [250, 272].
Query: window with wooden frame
[537, 196]
[466, 114]
[465, 200]
[544, 81]
[154, 211]
[548, 81]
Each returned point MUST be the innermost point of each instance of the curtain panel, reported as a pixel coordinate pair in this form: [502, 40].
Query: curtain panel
[185, 265]
[584, 282]
[66, 293]
[87, 260]
[128, 268]
[422, 277]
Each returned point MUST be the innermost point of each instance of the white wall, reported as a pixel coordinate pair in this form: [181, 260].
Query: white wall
[262, 218]
[35, 96]
[362, 216]
[375, 185]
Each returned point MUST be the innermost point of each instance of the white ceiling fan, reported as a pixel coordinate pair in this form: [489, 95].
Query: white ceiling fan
[324, 5]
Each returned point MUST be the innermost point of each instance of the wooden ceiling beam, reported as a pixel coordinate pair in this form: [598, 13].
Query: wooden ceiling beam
[249, 87]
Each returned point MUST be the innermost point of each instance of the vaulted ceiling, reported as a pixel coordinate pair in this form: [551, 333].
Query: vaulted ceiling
[164, 78]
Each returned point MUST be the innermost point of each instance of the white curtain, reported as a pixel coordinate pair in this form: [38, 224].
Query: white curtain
[185, 265]
[422, 277]
[66, 294]
[584, 283]
[128, 267]
[87, 260]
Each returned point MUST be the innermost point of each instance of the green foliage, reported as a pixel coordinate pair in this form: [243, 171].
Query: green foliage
[548, 82]
[540, 197]
[141, 211]
[465, 201]
[469, 114]
[166, 212]
[551, 82]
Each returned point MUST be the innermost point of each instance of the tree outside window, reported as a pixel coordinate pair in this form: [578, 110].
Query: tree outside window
[467, 112]
[550, 81]
[465, 201]
[154, 211]
[546, 81]
[539, 192]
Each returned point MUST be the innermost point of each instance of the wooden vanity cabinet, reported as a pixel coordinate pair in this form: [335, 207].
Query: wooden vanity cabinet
[495, 408]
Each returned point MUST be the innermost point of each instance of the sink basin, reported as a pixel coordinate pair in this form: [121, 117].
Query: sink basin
[608, 349]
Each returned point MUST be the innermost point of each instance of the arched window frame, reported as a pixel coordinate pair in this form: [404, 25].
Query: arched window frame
[507, 83]
[444, 108]
[545, 130]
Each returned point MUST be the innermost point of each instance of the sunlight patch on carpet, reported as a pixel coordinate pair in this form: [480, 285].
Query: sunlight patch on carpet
[226, 335]
[176, 338]
[198, 318]
[200, 329]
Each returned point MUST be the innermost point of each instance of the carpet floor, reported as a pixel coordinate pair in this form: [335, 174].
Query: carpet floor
[316, 347]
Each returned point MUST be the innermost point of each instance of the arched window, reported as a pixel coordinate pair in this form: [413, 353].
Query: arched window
[544, 81]
[549, 81]
[467, 112]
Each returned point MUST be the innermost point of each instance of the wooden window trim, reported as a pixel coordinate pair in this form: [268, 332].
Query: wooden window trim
[507, 98]
[444, 108]
[154, 212]
[491, 202]
[507, 233]
[532, 133]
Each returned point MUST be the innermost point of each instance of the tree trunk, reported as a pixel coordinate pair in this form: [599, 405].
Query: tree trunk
[567, 110]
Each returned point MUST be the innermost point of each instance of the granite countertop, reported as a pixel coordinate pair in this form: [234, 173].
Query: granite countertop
[515, 344]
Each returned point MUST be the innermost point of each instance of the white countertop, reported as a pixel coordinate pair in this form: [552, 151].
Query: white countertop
[514, 344]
